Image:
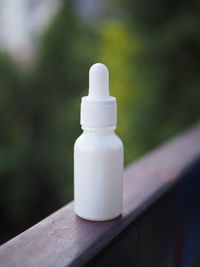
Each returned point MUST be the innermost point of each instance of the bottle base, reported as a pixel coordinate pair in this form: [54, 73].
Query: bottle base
[95, 219]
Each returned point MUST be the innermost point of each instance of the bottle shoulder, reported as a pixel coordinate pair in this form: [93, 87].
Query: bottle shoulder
[99, 142]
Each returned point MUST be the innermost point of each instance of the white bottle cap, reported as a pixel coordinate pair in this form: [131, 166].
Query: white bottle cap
[98, 109]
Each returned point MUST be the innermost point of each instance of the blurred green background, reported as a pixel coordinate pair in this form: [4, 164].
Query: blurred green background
[152, 49]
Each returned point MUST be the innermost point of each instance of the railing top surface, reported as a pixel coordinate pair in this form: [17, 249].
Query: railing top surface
[63, 239]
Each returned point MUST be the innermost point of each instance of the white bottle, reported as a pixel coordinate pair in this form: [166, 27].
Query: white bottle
[98, 153]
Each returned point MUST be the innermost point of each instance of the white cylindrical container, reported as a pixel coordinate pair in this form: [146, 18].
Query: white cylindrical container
[98, 153]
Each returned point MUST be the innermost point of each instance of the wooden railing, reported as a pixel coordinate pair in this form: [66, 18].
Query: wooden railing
[160, 198]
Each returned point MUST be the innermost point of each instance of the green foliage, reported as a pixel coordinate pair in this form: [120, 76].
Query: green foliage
[14, 142]
[60, 77]
[165, 68]
[40, 121]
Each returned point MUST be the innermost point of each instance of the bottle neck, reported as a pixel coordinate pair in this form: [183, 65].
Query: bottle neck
[99, 131]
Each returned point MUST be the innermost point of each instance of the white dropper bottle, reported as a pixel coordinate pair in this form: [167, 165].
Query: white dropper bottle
[98, 153]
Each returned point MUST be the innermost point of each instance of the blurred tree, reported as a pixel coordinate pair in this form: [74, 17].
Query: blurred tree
[40, 121]
[60, 77]
[165, 68]
[14, 145]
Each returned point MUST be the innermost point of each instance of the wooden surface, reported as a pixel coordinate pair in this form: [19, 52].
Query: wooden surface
[166, 234]
[63, 239]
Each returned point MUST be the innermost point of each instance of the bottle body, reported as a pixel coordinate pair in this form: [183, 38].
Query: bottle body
[98, 175]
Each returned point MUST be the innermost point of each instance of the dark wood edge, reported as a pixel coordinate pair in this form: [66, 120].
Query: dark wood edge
[63, 239]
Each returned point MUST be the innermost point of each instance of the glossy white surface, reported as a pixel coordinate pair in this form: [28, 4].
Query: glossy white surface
[98, 172]
[98, 153]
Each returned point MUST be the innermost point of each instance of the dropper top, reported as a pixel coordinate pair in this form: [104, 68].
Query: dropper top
[98, 109]
[98, 81]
